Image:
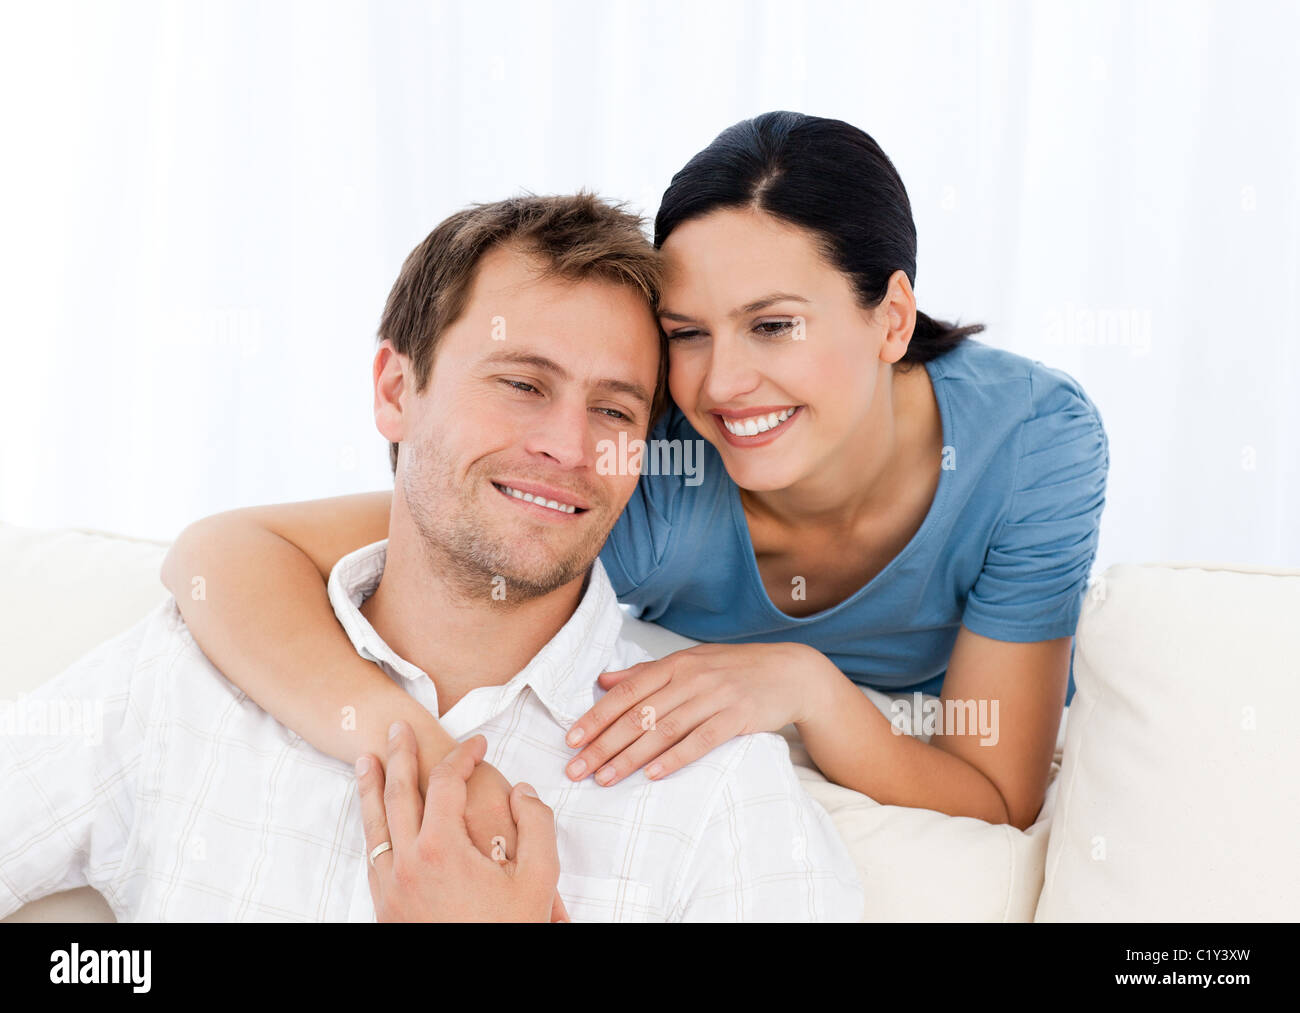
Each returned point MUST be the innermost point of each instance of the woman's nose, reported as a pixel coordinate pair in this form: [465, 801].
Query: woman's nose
[731, 374]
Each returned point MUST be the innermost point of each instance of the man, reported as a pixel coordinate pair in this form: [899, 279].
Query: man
[487, 603]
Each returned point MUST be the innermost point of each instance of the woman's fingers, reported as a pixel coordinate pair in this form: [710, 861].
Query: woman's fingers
[649, 677]
[706, 737]
[669, 730]
[644, 722]
[608, 680]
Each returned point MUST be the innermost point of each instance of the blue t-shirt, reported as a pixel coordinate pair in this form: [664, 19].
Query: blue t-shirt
[1006, 548]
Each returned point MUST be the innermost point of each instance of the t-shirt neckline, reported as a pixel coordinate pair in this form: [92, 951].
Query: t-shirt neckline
[937, 505]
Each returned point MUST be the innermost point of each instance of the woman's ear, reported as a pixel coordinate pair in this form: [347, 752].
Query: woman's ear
[393, 380]
[897, 311]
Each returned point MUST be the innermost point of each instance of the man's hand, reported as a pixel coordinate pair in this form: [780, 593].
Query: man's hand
[488, 814]
[433, 871]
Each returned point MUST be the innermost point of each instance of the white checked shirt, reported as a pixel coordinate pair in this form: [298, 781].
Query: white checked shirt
[196, 805]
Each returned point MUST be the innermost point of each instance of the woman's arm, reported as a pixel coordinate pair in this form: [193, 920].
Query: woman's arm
[251, 586]
[991, 754]
[1006, 700]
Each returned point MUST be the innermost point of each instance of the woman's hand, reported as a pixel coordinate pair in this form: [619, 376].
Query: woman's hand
[431, 870]
[670, 712]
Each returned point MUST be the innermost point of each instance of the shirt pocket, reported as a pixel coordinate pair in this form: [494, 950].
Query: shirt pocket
[607, 899]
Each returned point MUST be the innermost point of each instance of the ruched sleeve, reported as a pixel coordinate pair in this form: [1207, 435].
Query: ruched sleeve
[1035, 573]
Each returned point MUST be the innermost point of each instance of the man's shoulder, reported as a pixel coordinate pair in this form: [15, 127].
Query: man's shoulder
[149, 657]
[758, 762]
[150, 645]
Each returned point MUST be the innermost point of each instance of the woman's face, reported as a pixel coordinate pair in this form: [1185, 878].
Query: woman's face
[770, 356]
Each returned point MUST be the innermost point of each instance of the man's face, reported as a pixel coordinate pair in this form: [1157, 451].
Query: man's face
[525, 386]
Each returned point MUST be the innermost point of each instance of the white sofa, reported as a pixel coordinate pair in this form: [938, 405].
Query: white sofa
[1175, 791]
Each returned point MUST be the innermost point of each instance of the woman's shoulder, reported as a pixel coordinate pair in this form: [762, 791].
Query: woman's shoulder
[1017, 388]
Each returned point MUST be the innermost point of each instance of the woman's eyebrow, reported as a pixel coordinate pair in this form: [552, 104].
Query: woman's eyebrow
[752, 307]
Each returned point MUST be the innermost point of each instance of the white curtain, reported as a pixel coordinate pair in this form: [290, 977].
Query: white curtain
[204, 205]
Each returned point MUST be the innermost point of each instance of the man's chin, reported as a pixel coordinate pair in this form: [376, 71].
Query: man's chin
[535, 572]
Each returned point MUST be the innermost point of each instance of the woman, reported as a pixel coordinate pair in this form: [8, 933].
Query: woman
[883, 498]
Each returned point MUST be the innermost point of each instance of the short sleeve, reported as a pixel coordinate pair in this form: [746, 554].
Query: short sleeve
[639, 542]
[1035, 573]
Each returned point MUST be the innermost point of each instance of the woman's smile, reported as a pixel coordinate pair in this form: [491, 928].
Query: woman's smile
[755, 427]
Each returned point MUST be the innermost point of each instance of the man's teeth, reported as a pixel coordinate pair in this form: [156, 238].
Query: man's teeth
[528, 497]
[756, 424]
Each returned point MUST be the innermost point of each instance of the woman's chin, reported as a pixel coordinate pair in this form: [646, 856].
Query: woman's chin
[753, 475]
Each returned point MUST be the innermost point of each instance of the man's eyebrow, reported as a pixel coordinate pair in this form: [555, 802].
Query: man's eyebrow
[633, 390]
[518, 358]
[751, 307]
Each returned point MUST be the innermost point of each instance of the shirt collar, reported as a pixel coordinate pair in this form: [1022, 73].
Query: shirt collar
[562, 674]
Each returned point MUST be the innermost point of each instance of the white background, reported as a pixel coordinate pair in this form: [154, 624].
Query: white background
[203, 206]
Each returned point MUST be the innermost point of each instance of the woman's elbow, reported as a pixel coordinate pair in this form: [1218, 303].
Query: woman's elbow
[178, 566]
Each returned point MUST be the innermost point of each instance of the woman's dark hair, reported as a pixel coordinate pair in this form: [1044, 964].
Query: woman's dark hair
[825, 176]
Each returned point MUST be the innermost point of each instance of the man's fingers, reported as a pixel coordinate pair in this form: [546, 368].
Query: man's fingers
[559, 913]
[444, 802]
[401, 790]
[538, 860]
[370, 776]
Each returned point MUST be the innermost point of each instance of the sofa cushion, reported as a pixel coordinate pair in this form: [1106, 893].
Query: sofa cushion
[1178, 797]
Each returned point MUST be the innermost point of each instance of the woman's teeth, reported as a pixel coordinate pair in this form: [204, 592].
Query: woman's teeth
[528, 497]
[756, 424]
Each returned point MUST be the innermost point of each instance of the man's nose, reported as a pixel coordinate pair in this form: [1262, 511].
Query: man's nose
[562, 434]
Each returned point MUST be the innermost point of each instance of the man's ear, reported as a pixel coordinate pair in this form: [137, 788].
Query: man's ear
[393, 382]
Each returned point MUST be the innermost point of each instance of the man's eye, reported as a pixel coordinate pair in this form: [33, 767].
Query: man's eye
[614, 413]
[522, 386]
[771, 328]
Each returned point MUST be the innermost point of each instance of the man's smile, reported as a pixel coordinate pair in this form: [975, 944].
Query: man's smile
[543, 500]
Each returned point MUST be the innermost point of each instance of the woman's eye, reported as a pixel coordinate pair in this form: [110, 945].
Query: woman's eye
[771, 328]
[683, 335]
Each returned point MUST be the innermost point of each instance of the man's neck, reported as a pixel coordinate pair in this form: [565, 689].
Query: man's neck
[462, 641]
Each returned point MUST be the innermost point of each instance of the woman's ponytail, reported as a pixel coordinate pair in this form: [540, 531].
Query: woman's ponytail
[932, 338]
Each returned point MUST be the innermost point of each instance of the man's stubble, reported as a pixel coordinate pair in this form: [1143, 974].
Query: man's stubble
[475, 555]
